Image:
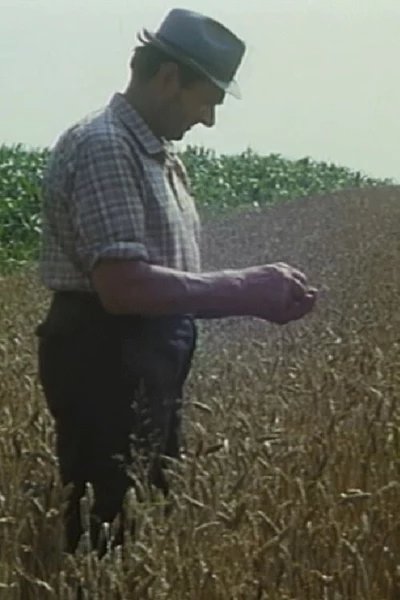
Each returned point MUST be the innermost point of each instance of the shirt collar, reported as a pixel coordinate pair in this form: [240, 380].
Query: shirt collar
[139, 128]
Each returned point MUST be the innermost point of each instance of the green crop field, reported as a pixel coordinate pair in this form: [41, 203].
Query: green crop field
[219, 184]
[290, 488]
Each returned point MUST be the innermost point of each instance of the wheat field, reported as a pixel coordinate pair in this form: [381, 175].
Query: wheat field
[290, 488]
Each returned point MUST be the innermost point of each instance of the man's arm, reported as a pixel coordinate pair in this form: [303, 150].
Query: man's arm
[138, 287]
[277, 293]
[106, 206]
[107, 213]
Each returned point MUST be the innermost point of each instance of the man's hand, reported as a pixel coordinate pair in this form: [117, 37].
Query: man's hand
[277, 292]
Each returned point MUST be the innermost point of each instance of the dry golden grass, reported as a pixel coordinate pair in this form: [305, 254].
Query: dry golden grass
[291, 485]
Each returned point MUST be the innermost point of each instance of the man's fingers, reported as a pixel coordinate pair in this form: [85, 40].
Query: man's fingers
[300, 276]
[303, 307]
[298, 310]
[297, 291]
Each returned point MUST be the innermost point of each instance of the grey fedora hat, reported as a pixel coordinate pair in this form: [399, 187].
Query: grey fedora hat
[203, 44]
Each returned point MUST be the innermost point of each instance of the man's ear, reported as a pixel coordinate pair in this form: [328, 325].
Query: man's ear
[168, 77]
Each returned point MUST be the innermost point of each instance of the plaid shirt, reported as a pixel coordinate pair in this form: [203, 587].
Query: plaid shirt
[112, 189]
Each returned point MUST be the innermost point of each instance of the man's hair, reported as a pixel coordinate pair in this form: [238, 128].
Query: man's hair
[148, 59]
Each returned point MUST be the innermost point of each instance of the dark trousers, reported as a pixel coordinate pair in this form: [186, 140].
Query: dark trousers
[114, 386]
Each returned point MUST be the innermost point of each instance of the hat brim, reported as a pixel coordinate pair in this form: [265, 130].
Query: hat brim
[232, 88]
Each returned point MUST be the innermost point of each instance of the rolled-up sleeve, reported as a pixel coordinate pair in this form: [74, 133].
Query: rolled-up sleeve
[106, 205]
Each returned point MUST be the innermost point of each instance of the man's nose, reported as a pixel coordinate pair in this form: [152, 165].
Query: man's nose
[208, 116]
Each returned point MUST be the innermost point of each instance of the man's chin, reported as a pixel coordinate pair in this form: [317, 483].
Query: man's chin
[177, 137]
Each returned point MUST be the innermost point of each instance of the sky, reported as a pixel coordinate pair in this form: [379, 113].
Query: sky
[320, 78]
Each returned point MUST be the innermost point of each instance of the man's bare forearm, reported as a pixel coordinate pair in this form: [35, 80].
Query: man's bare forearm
[152, 290]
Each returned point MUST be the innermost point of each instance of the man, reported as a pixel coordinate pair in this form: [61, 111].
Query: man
[120, 251]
